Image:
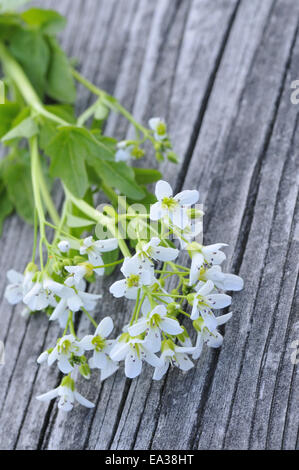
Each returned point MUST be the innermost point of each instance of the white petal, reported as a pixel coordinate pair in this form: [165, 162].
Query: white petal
[83, 401]
[110, 369]
[161, 371]
[163, 189]
[156, 211]
[152, 340]
[206, 288]
[13, 294]
[53, 356]
[215, 341]
[209, 318]
[65, 405]
[198, 346]
[224, 318]
[138, 328]
[213, 254]
[48, 395]
[133, 364]
[106, 245]
[219, 300]
[197, 262]
[14, 277]
[187, 197]
[184, 363]
[151, 358]
[105, 327]
[59, 310]
[96, 260]
[165, 254]
[171, 326]
[179, 218]
[119, 351]
[99, 360]
[64, 364]
[86, 343]
[42, 357]
[194, 312]
[74, 303]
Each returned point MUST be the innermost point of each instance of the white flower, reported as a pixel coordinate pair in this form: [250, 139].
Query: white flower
[94, 249]
[101, 348]
[39, 298]
[159, 127]
[153, 250]
[205, 255]
[66, 347]
[204, 335]
[19, 285]
[133, 353]
[64, 246]
[173, 355]
[70, 298]
[171, 207]
[77, 274]
[123, 153]
[43, 357]
[204, 301]
[68, 394]
[155, 322]
[224, 281]
[136, 276]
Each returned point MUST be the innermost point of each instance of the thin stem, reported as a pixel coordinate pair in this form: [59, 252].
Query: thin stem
[89, 317]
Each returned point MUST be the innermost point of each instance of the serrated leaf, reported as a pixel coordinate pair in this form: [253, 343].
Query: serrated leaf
[32, 51]
[60, 82]
[8, 113]
[49, 21]
[27, 128]
[146, 175]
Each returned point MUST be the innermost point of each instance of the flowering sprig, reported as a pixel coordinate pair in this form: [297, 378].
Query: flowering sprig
[87, 242]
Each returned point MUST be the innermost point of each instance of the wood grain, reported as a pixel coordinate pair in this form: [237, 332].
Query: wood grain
[220, 73]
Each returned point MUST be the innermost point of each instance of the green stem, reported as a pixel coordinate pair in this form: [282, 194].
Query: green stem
[111, 102]
[90, 317]
[100, 218]
[19, 78]
[36, 193]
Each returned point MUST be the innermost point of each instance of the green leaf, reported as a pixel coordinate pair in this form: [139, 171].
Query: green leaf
[64, 111]
[32, 51]
[6, 207]
[9, 23]
[60, 82]
[146, 175]
[8, 113]
[110, 257]
[118, 175]
[67, 152]
[17, 179]
[27, 128]
[74, 222]
[49, 21]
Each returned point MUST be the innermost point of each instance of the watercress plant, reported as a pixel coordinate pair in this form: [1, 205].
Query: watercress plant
[46, 141]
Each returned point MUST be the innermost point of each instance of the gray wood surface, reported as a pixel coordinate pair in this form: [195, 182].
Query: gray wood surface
[220, 72]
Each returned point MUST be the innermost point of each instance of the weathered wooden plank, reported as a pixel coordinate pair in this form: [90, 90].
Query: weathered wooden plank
[222, 118]
[227, 415]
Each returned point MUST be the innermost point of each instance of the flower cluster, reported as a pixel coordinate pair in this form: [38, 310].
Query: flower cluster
[155, 333]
